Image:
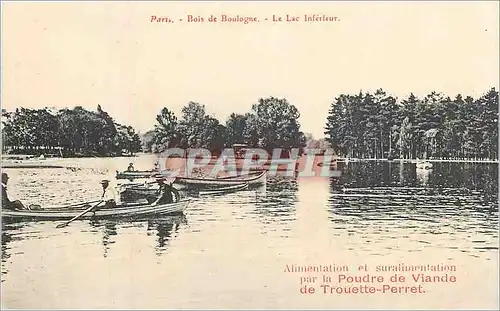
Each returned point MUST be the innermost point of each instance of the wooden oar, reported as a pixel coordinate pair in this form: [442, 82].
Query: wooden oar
[39, 207]
[79, 215]
[81, 203]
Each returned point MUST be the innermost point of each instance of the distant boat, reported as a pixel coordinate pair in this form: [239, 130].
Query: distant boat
[27, 161]
[424, 165]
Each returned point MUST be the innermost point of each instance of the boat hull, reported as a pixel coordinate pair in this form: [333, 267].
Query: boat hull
[226, 181]
[29, 164]
[136, 174]
[136, 210]
[257, 178]
[140, 191]
[135, 194]
[224, 190]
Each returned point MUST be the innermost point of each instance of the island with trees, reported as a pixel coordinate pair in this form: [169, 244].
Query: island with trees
[362, 125]
[378, 125]
[73, 132]
[271, 123]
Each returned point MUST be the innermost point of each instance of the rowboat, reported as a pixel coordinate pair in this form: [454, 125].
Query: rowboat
[139, 191]
[128, 210]
[148, 188]
[258, 179]
[227, 189]
[240, 177]
[27, 161]
[424, 165]
[136, 174]
[131, 193]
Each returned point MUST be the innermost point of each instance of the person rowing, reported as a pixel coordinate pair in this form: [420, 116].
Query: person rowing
[167, 193]
[109, 198]
[109, 195]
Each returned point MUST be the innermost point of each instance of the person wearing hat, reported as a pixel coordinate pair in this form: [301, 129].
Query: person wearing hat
[6, 203]
[131, 167]
[109, 196]
[167, 191]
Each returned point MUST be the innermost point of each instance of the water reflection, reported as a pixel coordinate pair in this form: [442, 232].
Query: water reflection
[280, 191]
[109, 232]
[480, 176]
[276, 209]
[446, 206]
[11, 232]
[163, 227]
[373, 209]
[423, 175]
[7, 237]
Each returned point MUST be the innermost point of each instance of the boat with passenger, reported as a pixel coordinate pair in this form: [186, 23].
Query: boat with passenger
[252, 179]
[137, 174]
[72, 211]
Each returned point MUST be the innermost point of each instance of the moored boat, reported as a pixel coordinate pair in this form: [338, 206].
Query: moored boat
[223, 190]
[128, 210]
[252, 180]
[424, 165]
[134, 192]
[27, 161]
[140, 190]
[136, 174]
[240, 177]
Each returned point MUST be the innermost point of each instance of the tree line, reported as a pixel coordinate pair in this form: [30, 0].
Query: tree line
[72, 132]
[378, 125]
[271, 123]
[363, 125]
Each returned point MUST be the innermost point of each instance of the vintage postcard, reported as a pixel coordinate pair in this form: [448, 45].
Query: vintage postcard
[249, 155]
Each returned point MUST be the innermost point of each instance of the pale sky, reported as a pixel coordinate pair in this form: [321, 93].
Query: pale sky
[68, 54]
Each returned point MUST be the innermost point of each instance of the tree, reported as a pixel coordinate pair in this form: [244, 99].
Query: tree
[338, 129]
[192, 125]
[166, 129]
[312, 143]
[274, 124]
[147, 141]
[77, 131]
[235, 129]
[126, 140]
[367, 125]
[212, 134]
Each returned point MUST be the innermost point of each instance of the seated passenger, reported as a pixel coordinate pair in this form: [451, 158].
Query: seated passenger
[167, 191]
[6, 202]
[130, 167]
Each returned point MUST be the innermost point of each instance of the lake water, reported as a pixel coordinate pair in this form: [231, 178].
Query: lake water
[231, 251]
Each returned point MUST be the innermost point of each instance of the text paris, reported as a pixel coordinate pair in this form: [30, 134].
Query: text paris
[160, 19]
